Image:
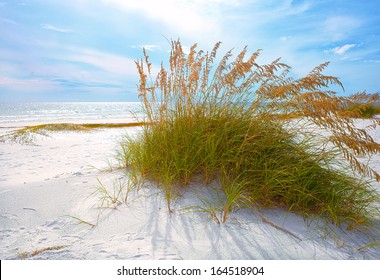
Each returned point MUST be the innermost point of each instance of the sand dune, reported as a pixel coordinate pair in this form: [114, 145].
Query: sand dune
[45, 191]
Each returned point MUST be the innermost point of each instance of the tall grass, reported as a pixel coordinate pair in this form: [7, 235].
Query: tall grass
[247, 127]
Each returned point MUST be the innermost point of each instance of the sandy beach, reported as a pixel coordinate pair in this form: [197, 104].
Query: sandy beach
[48, 211]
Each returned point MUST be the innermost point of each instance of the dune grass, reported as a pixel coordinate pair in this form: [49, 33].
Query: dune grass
[75, 127]
[247, 128]
[363, 105]
[26, 255]
[26, 135]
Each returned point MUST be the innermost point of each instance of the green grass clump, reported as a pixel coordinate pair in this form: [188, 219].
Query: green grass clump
[234, 125]
[254, 161]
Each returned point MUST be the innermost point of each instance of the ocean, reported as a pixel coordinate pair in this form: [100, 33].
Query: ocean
[22, 114]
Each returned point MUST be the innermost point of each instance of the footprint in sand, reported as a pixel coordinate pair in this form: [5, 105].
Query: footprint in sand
[142, 256]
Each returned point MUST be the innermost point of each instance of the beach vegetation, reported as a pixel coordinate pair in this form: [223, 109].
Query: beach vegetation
[26, 255]
[115, 195]
[363, 105]
[375, 244]
[82, 221]
[264, 138]
[26, 135]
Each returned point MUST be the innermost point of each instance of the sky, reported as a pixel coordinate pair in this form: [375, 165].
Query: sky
[84, 50]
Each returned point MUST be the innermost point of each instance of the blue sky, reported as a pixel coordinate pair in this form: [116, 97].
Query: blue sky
[82, 50]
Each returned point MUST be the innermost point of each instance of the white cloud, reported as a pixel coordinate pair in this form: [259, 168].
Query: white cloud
[54, 28]
[151, 48]
[77, 65]
[8, 21]
[284, 38]
[372, 61]
[341, 50]
[107, 67]
[115, 64]
[35, 85]
[181, 16]
[339, 27]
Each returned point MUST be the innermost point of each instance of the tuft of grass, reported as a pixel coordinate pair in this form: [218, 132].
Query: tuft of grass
[81, 221]
[115, 196]
[375, 244]
[209, 207]
[26, 255]
[246, 126]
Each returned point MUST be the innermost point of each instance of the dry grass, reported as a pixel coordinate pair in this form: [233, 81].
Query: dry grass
[27, 134]
[26, 255]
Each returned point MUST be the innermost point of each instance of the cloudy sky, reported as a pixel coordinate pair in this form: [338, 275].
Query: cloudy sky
[84, 50]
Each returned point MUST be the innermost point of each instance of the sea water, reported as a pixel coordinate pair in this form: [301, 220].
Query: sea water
[22, 114]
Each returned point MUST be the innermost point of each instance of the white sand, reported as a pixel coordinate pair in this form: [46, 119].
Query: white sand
[43, 186]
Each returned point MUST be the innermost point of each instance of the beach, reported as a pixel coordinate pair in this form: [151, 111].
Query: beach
[50, 208]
